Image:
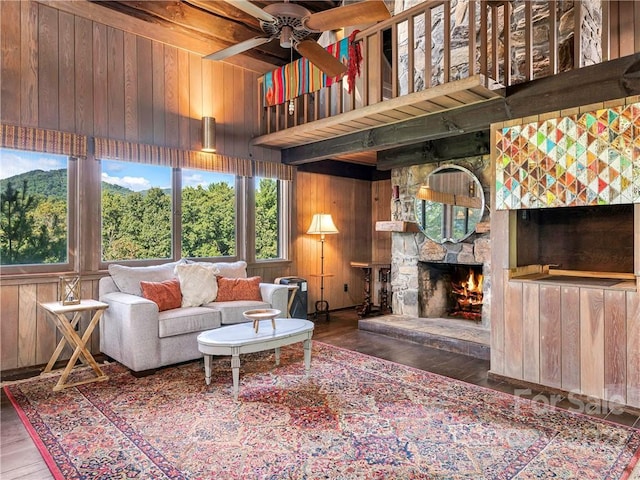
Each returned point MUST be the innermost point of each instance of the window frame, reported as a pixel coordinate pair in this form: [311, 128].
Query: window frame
[104, 264]
[284, 201]
[239, 220]
[71, 265]
[176, 242]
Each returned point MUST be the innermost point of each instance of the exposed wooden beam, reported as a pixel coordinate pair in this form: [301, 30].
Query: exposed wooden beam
[442, 149]
[601, 82]
[442, 125]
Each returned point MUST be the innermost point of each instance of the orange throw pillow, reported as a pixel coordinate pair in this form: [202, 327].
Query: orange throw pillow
[166, 294]
[230, 289]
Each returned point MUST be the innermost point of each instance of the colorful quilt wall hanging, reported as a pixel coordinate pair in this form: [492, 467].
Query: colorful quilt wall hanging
[589, 158]
[302, 76]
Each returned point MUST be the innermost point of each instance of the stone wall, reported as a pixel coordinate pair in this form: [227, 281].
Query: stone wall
[407, 249]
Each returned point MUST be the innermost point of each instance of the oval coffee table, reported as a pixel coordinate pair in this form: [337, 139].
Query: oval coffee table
[244, 338]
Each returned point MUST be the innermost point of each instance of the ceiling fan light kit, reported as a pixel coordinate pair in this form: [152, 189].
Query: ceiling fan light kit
[292, 24]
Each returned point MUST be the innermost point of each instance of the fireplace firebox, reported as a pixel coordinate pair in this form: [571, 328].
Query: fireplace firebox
[449, 290]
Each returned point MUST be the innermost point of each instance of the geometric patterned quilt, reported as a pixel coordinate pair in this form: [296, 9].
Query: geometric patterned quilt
[590, 158]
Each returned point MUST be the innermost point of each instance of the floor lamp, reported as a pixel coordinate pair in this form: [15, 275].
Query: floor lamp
[322, 224]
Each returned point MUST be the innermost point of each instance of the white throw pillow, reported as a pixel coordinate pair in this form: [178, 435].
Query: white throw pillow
[232, 269]
[198, 284]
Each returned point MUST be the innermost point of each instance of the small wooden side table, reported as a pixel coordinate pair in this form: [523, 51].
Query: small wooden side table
[58, 313]
[384, 269]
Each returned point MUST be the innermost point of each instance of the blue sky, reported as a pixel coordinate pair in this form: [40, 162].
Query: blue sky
[14, 162]
[134, 176]
[142, 177]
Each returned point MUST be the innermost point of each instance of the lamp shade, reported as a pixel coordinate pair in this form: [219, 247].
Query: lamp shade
[208, 134]
[322, 224]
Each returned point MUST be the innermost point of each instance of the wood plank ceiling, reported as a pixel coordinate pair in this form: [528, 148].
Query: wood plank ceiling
[216, 23]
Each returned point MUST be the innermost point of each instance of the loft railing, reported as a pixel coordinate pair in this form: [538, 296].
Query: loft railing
[539, 39]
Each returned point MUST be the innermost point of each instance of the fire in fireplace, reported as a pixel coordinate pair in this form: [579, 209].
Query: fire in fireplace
[449, 290]
[467, 293]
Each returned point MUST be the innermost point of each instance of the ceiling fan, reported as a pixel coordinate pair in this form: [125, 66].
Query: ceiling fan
[293, 23]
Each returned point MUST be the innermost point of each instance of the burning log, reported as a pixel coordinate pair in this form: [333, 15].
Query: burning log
[468, 296]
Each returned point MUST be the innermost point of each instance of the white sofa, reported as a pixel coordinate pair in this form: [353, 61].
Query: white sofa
[136, 334]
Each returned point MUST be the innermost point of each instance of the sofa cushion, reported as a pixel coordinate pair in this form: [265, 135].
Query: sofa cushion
[231, 312]
[187, 320]
[198, 283]
[128, 279]
[232, 269]
[166, 294]
[230, 289]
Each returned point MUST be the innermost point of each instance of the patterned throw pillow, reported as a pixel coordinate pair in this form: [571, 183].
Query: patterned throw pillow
[230, 289]
[166, 294]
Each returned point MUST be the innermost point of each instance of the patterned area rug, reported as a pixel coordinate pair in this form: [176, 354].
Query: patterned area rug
[353, 417]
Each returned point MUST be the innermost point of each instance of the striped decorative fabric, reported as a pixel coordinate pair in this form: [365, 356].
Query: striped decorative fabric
[301, 76]
[273, 170]
[41, 140]
[106, 148]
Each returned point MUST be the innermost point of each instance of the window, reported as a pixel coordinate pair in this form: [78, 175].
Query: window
[208, 214]
[34, 210]
[136, 211]
[268, 219]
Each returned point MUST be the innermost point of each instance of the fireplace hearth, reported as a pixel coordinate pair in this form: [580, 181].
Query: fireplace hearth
[448, 290]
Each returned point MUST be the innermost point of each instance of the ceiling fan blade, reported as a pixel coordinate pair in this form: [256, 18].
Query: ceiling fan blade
[359, 13]
[238, 48]
[321, 58]
[247, 7]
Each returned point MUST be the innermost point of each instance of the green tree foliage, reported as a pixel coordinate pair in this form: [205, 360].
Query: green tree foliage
[267, 219]
[33, 228]
[50, 184]
[209, 221]
[136, 225]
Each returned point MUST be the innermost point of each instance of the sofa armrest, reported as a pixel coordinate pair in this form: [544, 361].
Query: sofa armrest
[276, 295]
[129, 330]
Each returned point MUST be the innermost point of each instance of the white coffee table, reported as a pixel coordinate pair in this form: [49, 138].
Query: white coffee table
[243, 338]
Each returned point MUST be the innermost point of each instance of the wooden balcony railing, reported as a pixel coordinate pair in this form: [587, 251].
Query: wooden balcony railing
[537, 39]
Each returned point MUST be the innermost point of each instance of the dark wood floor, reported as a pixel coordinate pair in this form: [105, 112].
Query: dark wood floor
[19, 458]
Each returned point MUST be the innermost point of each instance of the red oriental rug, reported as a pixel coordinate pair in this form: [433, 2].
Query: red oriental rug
[353, 417]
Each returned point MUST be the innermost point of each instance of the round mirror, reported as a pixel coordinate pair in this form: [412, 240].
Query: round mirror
[450, 205]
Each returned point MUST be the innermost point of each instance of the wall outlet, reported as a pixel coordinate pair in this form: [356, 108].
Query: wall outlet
[346, 287]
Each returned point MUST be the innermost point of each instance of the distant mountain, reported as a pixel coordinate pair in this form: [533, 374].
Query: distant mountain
[51, 183]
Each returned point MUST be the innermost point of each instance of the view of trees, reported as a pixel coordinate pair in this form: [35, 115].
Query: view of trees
[33, 218]
[135, 225]
[267, 224]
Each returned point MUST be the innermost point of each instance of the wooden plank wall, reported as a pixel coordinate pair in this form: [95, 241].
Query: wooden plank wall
[64, 72]
[349, 203]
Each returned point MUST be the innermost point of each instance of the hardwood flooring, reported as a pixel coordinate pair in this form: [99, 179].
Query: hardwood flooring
[19, 458]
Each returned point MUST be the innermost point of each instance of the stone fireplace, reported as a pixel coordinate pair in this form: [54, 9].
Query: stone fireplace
[416, 260]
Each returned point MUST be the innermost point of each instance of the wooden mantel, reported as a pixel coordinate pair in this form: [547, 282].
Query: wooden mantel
[397, 226]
